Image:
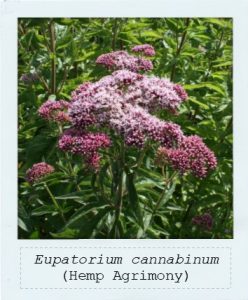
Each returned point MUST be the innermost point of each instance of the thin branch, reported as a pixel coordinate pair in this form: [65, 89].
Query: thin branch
[43, 82]
[64, 79]
[53, 59]
[114, 30]
[179, 49]
[56, 204]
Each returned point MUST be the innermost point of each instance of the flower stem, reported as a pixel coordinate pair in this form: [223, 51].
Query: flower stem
[185, 217]
[72, 173]
[56, 204]
[118, 202]
[167, 183]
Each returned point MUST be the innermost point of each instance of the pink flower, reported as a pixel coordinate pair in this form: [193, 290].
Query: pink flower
[137, 126]
[38, 171]
[119, 60]
[204, 221]
[82, 113]
[84, 143]
[93, 161]
[54, 110]
[180, 92]
[122, 78]
[124, 101]
[80, 89]
[147, 49]
[155, 93]
[192, 155]
[79, 142]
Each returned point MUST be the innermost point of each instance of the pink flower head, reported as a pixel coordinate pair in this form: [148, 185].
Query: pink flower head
[82, 113]
[123, 101]
[38, 171]
[155, 93]
[79, 142]
[80, 89]
[192, 155]
[54, 110]
[93, 161]
[99, 102]
[168, 134]
[86, 144]
[180, 92]
[146, 49]
[137, 126]
[119, 60]
[204, 221]
[125, 77]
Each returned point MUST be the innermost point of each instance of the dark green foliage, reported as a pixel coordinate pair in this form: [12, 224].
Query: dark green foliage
[196, 53]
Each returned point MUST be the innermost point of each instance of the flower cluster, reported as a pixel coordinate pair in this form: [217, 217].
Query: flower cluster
[122, 60]
[54, 110]
[204, 221]
[137, 126]
[192, 155]
[124, 101]
[84, 143]
[154, 93]
[147, 49]
[38, 171]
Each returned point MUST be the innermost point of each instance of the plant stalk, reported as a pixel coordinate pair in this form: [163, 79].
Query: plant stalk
[53, 56]
[118, 203]
[56, 204]
[179, 49]
[114, 30]
[69, 163]
[186, 215]
[168, 181]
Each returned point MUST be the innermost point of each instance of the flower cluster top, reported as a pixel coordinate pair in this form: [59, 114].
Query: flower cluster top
[38, 171]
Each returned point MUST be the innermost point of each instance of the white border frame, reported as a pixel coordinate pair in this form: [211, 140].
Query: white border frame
[10, 11]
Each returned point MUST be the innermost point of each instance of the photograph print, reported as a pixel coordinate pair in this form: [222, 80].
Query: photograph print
[125, 128]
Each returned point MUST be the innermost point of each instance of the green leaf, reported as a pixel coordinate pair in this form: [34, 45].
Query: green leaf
[43, 210]
[36, 148]
[199, 103]
[151, 34]
[75, 195]
[64, 21]
[173, 207]
[66, 234]
[168, 194]
[22, 225]
[82, 212]
[207, 85]
[223, 64]
[219, 22]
